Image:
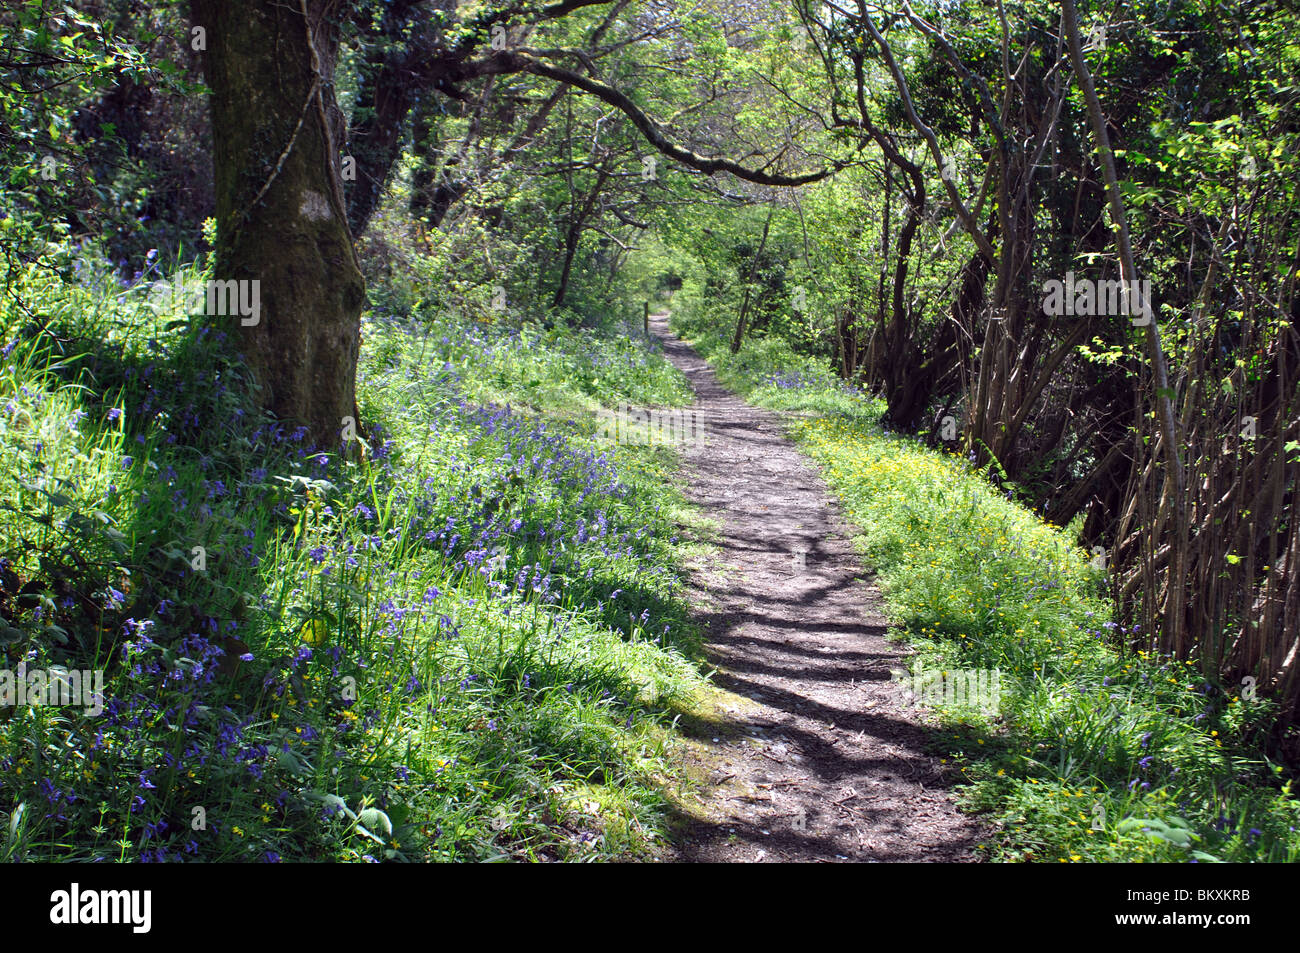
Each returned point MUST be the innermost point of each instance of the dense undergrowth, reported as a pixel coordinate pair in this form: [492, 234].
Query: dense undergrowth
[1094, 753]
[462, 640]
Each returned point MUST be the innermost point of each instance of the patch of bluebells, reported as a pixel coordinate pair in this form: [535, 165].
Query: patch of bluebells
[175, 722]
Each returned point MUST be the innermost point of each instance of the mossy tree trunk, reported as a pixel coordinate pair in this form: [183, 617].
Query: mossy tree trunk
[281, 214]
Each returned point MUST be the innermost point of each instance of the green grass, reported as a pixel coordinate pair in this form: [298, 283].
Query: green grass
[1093, 754]
[467, 643]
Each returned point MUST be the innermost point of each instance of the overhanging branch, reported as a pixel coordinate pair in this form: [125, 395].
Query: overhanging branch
[515, 62]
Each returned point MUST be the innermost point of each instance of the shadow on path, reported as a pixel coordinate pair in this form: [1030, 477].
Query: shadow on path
[829, 762]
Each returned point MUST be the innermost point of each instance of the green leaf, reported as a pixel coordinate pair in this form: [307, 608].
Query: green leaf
[1175, 831]
[16, 820]
[373, 817]
[332, 801]
[290, 762]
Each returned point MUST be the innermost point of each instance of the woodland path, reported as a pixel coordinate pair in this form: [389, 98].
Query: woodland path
[828, 762]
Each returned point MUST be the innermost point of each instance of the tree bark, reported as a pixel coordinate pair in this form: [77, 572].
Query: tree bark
[281, 218]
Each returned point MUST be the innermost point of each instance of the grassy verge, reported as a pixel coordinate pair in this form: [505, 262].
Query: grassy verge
[1092, 754]
[466, 643]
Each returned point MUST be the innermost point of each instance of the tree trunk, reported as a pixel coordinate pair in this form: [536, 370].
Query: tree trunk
[1175, 488]
[281, 218]
[739, 336]
[574, 235]
[403, 62]
[376, 140]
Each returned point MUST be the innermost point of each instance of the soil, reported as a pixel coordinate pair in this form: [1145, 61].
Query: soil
[823, 757]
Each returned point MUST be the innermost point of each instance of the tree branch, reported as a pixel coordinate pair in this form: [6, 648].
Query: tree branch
[515, 62]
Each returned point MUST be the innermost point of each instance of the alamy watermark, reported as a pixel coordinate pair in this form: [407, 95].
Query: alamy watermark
[1090, 296]
[76, 906]
[979, 688]
[213, 298]
[650, 426]
[52, 687]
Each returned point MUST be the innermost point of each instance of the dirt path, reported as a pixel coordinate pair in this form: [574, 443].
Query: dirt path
[829, 762]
